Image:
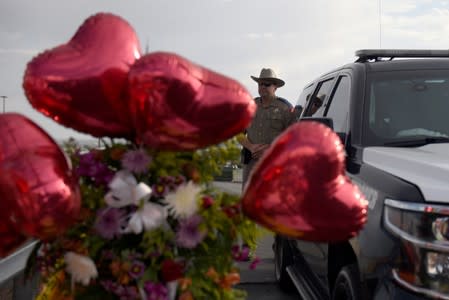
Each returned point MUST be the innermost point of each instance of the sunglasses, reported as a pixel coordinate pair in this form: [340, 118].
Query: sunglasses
[265, 84]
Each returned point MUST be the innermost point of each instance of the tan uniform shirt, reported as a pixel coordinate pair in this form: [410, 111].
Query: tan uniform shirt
[270, 121]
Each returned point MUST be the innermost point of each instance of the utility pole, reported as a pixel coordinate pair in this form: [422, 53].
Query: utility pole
[4, 98]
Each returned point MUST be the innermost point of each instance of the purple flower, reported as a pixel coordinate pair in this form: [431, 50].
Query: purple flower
[137, 269]
[109, 285]
[235, 252]
[109, 222]
[254, 263]
[178, 180]
[136, 161]
[91, 167]
[108, 254]
[86, 160]
[102, 174]
[244, 253]
[155, 291]
[127, 293]
[189, 235]
[240, 254]
[159, 190]
[166, 180]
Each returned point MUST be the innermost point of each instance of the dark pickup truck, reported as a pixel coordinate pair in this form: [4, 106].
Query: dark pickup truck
[391, 110]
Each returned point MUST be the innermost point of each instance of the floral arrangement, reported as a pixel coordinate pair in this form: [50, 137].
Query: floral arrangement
[152, 226]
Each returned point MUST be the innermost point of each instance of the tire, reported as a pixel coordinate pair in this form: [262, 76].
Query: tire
[347, 285]
[282, 259]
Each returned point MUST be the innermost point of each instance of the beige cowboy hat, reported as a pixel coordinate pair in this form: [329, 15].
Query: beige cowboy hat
[267, 74]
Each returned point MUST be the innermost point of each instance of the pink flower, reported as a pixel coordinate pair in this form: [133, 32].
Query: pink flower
[254, 263]
[155, 291]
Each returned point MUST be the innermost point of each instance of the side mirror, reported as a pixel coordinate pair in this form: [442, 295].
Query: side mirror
[326, 121]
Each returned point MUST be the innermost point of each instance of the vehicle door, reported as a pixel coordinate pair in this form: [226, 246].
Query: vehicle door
[337, 108]
[315, 254]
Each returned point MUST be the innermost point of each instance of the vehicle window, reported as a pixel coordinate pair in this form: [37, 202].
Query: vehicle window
[339, 104]
[303, 99]
[316, 104]
[406, 105]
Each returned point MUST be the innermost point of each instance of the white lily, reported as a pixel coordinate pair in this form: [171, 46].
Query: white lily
[125, 191]
[149, 217]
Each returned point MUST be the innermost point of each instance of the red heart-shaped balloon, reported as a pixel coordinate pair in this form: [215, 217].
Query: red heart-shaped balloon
[41, 197]
[82, 84]
[298, 188]
[178, 105]
[10, 235]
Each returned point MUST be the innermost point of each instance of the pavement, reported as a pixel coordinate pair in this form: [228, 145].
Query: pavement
[232, 187]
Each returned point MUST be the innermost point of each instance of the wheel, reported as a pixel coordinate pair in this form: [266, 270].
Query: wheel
[347, 284]
[282, 259]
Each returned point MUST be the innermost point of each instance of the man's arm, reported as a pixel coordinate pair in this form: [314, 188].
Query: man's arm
[255, 149]
[243, 140]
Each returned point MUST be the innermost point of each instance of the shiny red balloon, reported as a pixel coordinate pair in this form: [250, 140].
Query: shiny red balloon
[46, 199]
[10, 236]
[299, 189]
[178, 105]
[82, 84]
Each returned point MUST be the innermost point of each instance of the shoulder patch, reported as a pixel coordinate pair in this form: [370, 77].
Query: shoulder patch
[285, 102]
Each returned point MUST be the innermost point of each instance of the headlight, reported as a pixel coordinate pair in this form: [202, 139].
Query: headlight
[437, 265]
[423, 231]
[440, 229]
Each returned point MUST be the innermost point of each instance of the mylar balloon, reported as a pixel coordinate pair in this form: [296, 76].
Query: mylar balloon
[298, 188]
[82, 84]
[178, 105]
[46, 198]
[10, 236]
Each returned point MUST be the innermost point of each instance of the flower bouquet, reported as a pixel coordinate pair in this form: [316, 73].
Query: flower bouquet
[152, 226]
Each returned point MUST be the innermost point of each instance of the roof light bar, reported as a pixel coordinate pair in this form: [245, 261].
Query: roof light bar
[376, 54]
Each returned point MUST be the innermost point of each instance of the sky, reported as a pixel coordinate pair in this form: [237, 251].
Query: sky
[299, 39]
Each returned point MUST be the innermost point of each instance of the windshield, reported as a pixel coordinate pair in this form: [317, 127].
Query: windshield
[407, 106]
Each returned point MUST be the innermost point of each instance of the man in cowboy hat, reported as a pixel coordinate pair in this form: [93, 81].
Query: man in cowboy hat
[273, 115]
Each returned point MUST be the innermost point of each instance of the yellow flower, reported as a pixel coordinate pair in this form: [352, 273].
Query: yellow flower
[54, 289]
